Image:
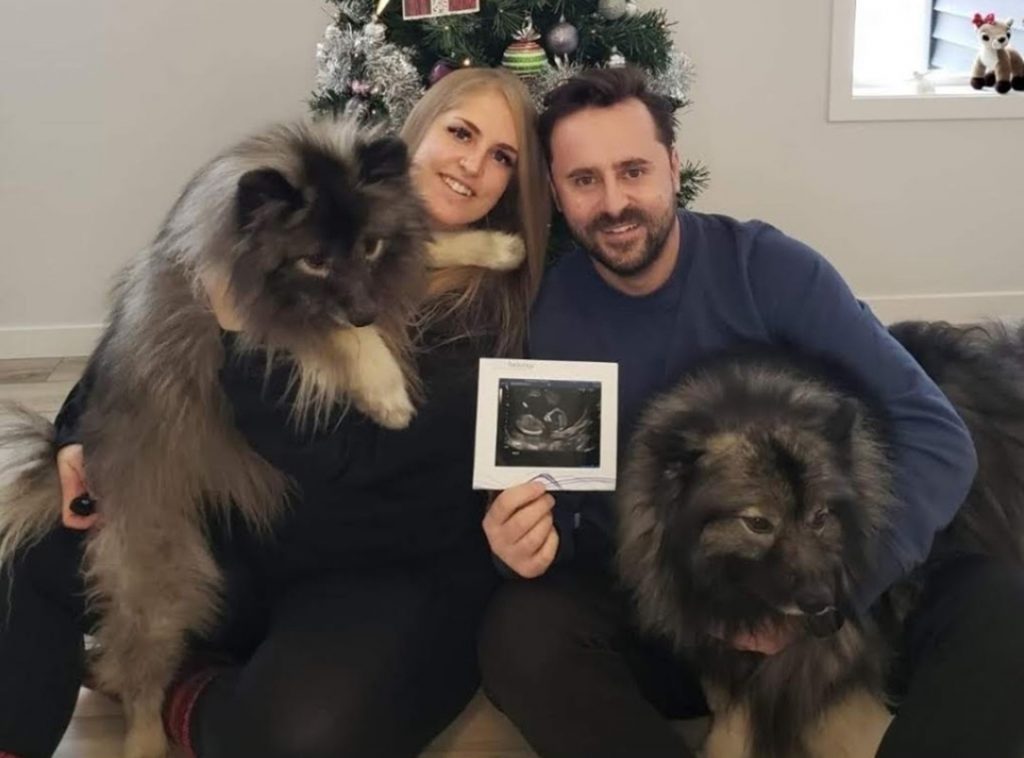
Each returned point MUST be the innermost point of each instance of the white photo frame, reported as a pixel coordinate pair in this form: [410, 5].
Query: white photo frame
[551, 420]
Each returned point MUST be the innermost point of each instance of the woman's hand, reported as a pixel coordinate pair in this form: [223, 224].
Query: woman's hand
[71, 469]
[521, 529]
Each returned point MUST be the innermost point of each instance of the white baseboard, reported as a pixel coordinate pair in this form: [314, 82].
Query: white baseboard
[48, 341]
[962, 307]
[56, 341]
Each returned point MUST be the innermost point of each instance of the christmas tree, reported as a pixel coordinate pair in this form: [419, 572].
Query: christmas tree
[379, 56]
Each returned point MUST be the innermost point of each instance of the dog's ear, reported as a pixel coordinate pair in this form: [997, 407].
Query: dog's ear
[259, 188]
[383, 159]
[839, 424]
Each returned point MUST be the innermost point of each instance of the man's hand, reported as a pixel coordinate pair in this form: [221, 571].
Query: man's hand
[71, 470]
[521, 529]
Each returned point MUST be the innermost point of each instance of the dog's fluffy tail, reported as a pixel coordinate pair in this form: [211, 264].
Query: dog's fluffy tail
[29, 484]
[981, 370]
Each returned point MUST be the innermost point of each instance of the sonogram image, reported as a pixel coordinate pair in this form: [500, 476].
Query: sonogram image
[550, 423]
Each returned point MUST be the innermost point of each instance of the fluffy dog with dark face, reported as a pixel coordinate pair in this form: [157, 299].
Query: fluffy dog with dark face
[321, 244]
[753, 492]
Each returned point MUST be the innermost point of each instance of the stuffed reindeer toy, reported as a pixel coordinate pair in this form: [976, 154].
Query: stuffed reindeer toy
[997, 64]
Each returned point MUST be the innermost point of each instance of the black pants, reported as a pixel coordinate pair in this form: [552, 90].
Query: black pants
[559, 658]
[351, 663]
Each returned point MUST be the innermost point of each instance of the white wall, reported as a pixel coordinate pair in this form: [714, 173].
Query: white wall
[106, 109]
[107, 106]
[922, 218]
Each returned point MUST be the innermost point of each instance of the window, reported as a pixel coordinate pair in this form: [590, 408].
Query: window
[911, 59]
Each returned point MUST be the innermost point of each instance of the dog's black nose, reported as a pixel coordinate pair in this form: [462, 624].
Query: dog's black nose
[362, 314]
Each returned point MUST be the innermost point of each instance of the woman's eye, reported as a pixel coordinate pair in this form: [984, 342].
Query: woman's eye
[504, 159]
[460, 133]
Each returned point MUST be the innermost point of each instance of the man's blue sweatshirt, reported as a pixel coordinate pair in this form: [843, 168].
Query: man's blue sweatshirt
[742, 282]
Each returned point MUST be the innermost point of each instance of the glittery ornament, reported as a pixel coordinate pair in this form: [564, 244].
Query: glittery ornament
[350, 60]
[616, 59]
[525, 56]
[563, 38]
[440, 70]
[550, 78]
[612, 10]
[674, 83]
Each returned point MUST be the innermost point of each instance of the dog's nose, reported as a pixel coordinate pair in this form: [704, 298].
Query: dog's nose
[363, 316]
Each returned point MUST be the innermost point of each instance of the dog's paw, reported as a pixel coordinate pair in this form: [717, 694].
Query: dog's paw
[507, 253]
[391, 409]
[145, 739]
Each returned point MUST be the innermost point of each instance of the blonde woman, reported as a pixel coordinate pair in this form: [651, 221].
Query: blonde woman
[354, 632]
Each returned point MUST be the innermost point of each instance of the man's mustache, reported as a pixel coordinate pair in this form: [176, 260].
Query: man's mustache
[606, 221]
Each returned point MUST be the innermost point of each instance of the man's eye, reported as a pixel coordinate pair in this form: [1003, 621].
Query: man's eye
[635, 173]
[583, 181]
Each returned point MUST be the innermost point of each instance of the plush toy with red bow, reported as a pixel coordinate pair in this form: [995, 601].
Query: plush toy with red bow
[997, 63]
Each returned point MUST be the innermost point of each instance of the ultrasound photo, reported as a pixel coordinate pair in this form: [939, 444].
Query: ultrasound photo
[549, 423]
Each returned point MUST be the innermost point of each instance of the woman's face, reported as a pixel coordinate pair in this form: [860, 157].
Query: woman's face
[466, 160]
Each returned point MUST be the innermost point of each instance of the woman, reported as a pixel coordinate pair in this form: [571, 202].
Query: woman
[353, 633]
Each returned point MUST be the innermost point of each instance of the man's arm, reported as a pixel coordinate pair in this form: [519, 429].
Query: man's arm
[807, 306]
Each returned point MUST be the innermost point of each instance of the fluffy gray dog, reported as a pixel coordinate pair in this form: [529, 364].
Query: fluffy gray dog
[754, 492]
[322, 243]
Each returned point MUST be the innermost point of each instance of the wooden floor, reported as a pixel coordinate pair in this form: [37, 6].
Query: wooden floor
[97, 727]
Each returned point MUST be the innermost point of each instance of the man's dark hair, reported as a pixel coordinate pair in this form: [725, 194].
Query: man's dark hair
[603, 88]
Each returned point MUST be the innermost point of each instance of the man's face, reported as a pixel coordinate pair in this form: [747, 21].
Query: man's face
[616, 184]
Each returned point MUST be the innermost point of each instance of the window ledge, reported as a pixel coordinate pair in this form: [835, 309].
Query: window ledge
[905, 103]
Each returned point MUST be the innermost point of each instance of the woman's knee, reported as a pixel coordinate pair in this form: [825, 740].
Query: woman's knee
[530, 634]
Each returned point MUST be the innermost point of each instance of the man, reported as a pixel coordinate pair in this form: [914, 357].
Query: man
[655, 290]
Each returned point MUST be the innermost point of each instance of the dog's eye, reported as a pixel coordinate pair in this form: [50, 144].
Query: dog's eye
[374, 247]
[758, 524]
[819, 517]
[984, 38]
[313, 265]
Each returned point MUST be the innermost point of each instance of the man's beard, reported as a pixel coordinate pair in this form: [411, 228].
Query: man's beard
[657, 232]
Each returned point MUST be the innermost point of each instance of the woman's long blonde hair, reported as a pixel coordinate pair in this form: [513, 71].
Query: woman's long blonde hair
[476, 300]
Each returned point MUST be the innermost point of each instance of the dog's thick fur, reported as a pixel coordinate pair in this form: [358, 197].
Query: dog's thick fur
[324, 246]
[754, 491]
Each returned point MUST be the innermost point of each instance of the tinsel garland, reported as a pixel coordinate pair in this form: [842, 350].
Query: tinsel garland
[360, 73]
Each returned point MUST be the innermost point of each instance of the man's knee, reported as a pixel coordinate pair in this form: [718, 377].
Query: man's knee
[973, 598]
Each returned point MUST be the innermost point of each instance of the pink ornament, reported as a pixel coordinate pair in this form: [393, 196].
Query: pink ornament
[440, 70]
